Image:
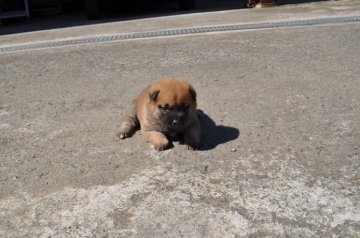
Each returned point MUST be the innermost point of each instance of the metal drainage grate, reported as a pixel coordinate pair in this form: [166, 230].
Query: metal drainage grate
[186, 31]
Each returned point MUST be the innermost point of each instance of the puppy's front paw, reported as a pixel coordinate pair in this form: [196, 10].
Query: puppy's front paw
[157, 139]
[126, 130]
[193, 139]
[161, 144]
[122, 134]
[193, 147]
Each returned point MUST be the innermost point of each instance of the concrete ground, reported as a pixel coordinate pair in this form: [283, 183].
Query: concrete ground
[281, 131]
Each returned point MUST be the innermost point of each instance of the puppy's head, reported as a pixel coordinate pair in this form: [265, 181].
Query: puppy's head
[172, 102]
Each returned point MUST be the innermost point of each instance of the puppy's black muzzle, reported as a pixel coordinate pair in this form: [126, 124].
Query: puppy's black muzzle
[174, 120]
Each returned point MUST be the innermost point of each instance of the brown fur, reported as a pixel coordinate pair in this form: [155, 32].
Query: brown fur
[157, 126]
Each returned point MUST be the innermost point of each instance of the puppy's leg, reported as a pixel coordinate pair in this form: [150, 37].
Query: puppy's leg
[157, 139]
[130, 122]
[192, 137]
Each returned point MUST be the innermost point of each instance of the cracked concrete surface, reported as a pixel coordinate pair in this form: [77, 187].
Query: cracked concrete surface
[169, 201]
[281, 141]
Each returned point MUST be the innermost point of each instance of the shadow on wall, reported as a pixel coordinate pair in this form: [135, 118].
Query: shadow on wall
[214, 135]
[71, 16]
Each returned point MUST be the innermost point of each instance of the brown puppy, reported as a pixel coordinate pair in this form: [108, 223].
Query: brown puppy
[164, 110]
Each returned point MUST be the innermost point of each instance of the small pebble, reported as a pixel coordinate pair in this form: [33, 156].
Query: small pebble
[233, 150]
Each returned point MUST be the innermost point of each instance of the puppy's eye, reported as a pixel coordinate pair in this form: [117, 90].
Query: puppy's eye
[164, 108]
[185, 106]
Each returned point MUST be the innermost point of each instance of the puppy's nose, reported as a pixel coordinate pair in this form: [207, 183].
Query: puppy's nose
[175, 122]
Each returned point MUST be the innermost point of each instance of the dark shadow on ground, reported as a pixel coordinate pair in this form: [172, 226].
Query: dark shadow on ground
[281, 2]
[214, 135]
[127, 10]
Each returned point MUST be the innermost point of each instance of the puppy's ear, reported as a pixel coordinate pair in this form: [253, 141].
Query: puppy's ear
[192, 93]
[153, 95]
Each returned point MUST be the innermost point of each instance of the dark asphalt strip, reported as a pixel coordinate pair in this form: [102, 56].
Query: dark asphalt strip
[176, 32]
